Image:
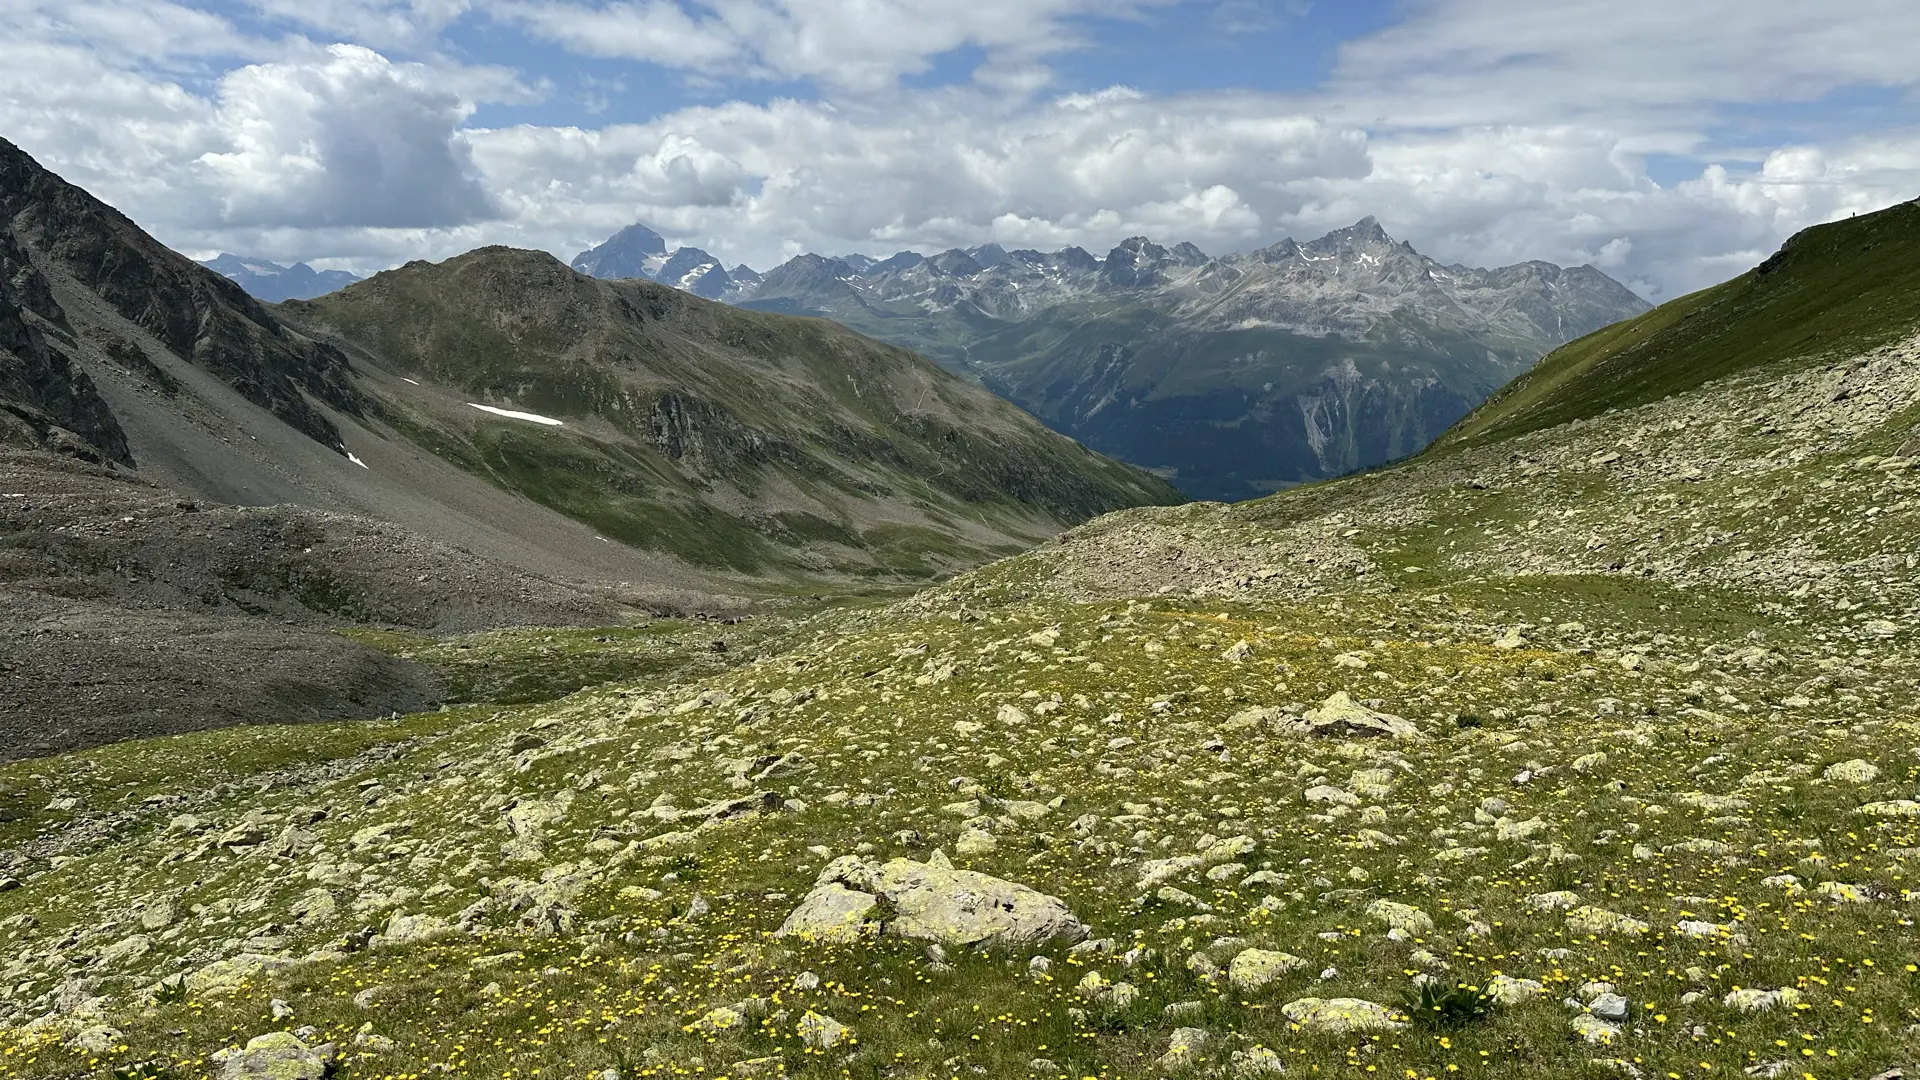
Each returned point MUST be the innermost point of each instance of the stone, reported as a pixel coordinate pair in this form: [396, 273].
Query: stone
[1609, 1007]
[830, 913]
[717, 1021]
[1184, 1048]
[1594, 1030]
[975, 842]
[1561, 900]
[275, 1056]
[1339, 716]
[1255, 1062]
[1510, 991]
[1852, 772]
[970, 909]
[1893, 808]
[1255, 969]
[411, 930]
[1597, 920]
[228, 974]
[1341, 1015]
[96, 1039]
[1402, 917]
[160, 915]
[1752, 1000]
[930, 902]
[1509, 829]
[821, 1032]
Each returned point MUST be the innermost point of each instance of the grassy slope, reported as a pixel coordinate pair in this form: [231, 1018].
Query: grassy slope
[1832, 290]
[1679, 686]
[765, 403]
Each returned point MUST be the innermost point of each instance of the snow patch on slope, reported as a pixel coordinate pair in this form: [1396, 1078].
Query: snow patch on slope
[514, 415]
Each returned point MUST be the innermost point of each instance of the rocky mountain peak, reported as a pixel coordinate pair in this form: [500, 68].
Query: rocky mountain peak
[957, 263]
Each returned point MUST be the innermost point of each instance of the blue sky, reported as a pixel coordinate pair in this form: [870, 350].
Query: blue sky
[1670, 144]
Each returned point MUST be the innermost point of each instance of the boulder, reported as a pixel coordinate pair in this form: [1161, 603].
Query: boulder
[1341, 1015]
[276, 1056]
[1342, 717]
[831, 912]
[1253, 970]
[1403, 917]
[930, 902]
[1184, 1048]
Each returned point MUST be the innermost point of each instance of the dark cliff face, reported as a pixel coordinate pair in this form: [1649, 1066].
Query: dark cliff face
[195, 313]
[46, 402]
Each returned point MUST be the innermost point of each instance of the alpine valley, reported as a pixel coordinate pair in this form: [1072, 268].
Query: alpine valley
[201, 488]
[1231, 377]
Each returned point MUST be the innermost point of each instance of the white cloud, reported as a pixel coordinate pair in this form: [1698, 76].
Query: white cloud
[1460, 62]
[857, 45]
[1485, 131]
[756, 182]
[350, 139]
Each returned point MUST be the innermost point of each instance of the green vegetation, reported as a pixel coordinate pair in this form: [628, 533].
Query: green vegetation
[529, 665]
[1833, 291]
[1590, 753]
[751, 445]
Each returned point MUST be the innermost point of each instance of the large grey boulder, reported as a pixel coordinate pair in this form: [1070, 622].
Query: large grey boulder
[929, 902]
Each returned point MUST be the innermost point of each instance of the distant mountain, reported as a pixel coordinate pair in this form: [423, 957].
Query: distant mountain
[638, 252]
[273, 283]
[1232, 376]
[201, 487]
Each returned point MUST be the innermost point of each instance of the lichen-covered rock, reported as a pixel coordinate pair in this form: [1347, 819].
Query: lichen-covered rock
[1594, 1030]
[276, 1056]
[1255, 969]
[1589, 919]
[228, 974]
[821, 1032]
[1856, 771]
[831, 913]
[1342, 717]
[1341, 1015]
[1752, 999]
[1404, 917]
[1510, 991]
[971, 909]
[930, 901]
[1184, 1048]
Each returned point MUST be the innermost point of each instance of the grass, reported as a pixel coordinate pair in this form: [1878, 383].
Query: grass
[1833, 290]
[1668, 739]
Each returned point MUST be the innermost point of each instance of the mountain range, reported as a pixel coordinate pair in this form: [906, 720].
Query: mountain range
[1231, 377]
[493, 440]
[638, 252]
[272, 282]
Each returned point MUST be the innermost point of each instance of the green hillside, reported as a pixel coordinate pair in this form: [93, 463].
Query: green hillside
[1832, 290]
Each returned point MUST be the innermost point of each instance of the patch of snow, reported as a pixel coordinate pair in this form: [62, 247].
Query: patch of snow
[356, 460]
[515, 415]
[403, 378]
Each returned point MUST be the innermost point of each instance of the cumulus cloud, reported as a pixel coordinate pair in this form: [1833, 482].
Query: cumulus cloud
[1485, 131]
[763, 182]
[352, 139]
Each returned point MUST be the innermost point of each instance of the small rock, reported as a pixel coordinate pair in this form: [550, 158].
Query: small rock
[822, 1032]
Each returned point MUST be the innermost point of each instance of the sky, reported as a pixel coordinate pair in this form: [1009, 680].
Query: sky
[1672, 144]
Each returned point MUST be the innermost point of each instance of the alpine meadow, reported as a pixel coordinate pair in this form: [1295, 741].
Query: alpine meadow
[1438, 599]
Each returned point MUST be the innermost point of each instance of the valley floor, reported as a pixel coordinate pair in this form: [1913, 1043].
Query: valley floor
[1614, 725]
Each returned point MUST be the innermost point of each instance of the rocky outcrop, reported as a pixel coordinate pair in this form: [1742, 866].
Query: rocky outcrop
[44, 400]
[199, 316]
